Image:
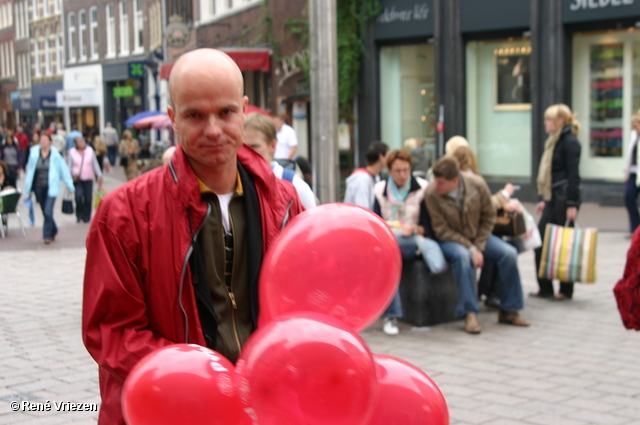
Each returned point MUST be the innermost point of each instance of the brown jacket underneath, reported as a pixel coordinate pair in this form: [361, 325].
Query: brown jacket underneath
[472, 225]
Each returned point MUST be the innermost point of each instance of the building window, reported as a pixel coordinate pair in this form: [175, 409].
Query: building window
[212, 4]
[56, 6]
[47, 58]
[36, 59]
[124, 29]
[93, 13]
[230, 4]
[45, 8]
[138, 27]
[34, 6]
[111, 30]
[16, 10]
[20, 75]
[82, 30]
[72, 37]
[60, 55]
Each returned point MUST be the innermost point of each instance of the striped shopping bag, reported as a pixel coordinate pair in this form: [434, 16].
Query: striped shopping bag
[568, 254]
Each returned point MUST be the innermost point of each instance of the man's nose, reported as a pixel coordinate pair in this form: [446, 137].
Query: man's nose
[213, 127]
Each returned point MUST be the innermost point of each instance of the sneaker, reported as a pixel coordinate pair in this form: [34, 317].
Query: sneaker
[390, 326]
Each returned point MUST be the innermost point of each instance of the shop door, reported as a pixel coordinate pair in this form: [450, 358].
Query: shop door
[606, 92]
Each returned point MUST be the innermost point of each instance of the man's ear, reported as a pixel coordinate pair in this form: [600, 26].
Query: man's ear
[172, 116]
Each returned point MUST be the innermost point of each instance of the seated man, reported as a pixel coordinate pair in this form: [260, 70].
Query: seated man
[462, 218]
[399, 200]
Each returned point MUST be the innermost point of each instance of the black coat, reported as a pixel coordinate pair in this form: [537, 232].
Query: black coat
[565, 168]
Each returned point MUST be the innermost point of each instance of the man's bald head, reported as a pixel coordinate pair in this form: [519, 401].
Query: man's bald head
[211, 64]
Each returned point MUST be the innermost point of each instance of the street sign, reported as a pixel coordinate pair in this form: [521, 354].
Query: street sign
[125, 91]
[136, 69]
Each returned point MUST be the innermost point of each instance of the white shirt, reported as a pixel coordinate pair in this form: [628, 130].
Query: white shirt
[307, 198]
[287, 139]
[224, 201]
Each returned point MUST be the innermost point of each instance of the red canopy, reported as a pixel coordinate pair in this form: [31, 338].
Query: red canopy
[246, 59]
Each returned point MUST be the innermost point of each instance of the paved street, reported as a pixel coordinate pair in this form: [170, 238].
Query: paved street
[575, 365]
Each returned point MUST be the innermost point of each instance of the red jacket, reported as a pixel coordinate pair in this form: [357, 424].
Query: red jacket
[627, 290]
[138, 292]
[23, 141]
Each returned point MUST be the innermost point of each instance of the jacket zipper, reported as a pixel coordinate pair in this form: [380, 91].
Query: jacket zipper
[184, 270]
[230, 289]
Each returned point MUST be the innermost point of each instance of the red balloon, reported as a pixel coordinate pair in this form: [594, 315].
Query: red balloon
[183, 384]
[307, 369]
[407, 396]
[336, 259]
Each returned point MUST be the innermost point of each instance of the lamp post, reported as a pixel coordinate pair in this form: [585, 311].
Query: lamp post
[323, 73]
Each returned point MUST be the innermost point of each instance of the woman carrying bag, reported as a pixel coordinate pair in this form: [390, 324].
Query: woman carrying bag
[45, 169]
[84, 167]
[129, 149]
[558, 184]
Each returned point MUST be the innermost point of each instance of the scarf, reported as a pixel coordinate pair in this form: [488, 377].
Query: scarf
[397, 197]
[544, 172]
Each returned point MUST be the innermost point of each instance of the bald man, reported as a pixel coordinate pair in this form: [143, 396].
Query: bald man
[174, 255]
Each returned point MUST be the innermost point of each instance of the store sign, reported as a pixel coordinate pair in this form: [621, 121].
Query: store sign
[136, 69]
[494, 15]
[404, 19]
[48, 103]
[72, 98]
[596, 10]
[125, 91]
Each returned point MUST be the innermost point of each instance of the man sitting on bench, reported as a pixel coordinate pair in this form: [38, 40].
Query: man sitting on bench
[462, 218]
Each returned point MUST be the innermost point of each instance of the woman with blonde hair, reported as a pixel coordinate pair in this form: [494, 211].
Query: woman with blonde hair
[631, 175]
[129, 150]
[558, 184]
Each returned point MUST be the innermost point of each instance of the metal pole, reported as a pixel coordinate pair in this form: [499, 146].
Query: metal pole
[323, 73]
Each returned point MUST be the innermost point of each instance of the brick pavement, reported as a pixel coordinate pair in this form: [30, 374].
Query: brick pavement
[575, 365]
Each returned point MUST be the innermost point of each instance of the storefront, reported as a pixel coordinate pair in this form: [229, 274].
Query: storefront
[22, 110]
[124, 92]
[605, 86]
[498, 95]
[405, 64]
[82, 99]
[43, 101]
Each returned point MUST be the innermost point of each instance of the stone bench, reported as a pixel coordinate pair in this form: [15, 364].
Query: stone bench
[427, 299]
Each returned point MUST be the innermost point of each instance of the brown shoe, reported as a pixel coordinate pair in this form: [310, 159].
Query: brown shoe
[471, 325]
[47, 241]
[512, 318]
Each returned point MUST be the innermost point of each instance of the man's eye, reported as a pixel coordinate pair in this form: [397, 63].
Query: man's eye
[225, 112]
[193, 116]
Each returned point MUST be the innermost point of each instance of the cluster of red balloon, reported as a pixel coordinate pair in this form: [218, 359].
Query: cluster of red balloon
[330, 273]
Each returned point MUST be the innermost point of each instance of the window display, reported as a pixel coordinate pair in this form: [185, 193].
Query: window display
[513, 78]
[607, 81]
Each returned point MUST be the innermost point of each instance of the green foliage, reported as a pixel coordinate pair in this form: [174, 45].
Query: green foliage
[352, 18]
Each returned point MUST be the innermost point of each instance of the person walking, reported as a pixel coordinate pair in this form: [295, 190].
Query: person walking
[110, 136]
[100, 150]
[45, 169]
[129, 150]
[23, 142]
[558, 185]
[84, 168]
[11, 154]
[631, 176]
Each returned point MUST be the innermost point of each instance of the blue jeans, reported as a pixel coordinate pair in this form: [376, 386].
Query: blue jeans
[84, 197]
[631, 202]
[46, 203]
[429, 249]
[497, 251]
[111, 154]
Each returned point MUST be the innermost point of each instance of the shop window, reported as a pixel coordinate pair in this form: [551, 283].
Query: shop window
[407, 100]
[124, 29]
[138, 27]
[82, 30]
[72, 37]
[111, 30]
[93, 34]
[499, 107]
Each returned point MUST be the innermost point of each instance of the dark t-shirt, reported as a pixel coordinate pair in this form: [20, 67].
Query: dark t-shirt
[41, 178]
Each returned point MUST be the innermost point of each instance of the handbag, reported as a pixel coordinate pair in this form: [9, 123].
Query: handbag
[509, 224]
[531, 239]
[67, 203]
[97, 197]
[568, 254]
[124, 161]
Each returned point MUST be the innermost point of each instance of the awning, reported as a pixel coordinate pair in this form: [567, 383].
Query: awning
[246, 59]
